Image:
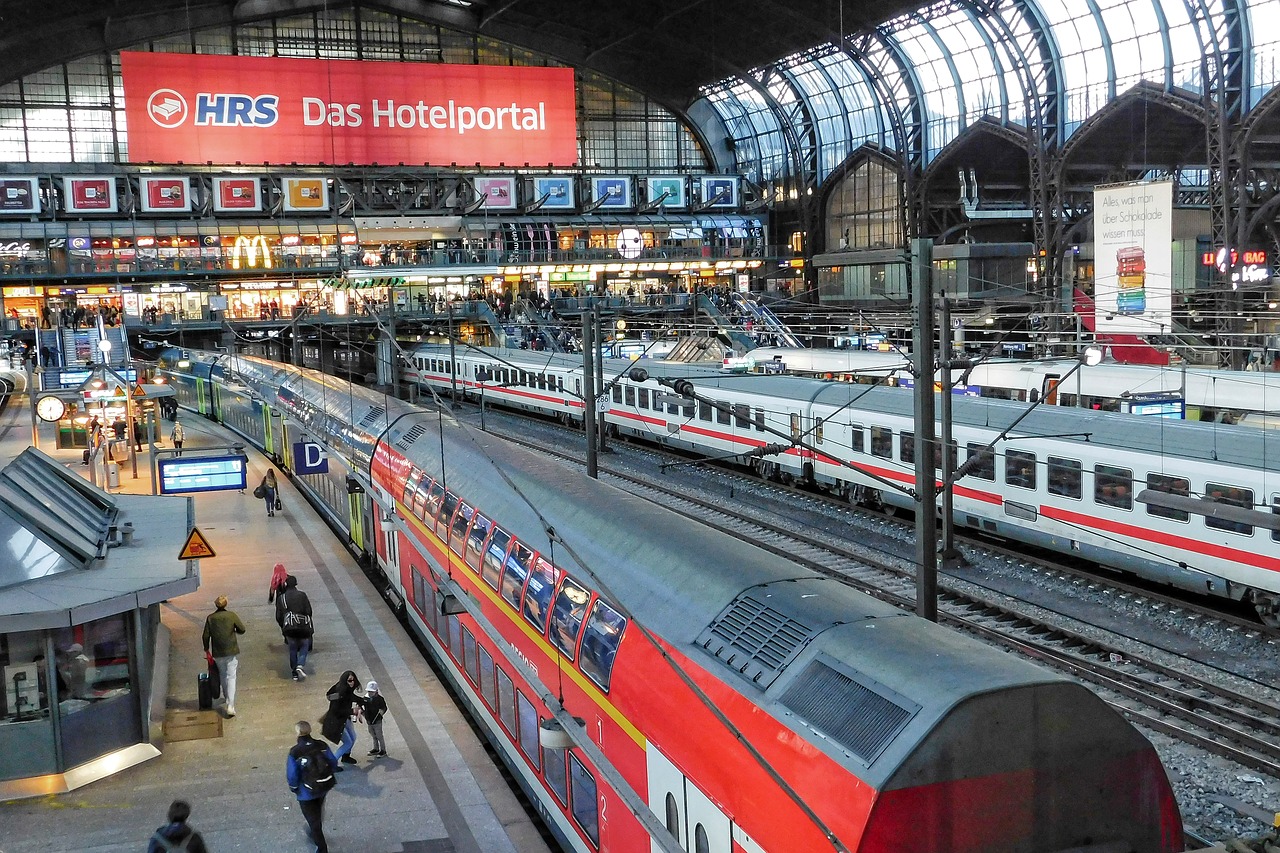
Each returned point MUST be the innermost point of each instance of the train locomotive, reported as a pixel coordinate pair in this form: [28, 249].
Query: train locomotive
[749, 703]
[1192, 505]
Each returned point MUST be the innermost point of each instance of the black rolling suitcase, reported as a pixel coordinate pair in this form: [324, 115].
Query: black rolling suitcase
[204, 691]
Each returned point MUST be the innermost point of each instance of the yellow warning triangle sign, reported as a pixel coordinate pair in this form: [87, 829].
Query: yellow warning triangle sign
[139, 391]
[197, 547]
[119, 392]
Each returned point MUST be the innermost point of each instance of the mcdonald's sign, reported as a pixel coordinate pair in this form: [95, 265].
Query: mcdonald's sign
[252, 252]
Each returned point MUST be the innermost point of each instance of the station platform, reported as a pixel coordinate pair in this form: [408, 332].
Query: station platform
[436, 791]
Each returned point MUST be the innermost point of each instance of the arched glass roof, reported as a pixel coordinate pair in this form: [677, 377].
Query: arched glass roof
[940, 69]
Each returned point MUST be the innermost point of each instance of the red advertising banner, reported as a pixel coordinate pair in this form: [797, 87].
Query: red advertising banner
[183, 108]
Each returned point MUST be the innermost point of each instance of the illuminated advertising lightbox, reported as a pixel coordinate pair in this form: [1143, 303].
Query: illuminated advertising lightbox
[302, 195]
[1133, 258]
[499, 193]
[226, 109]
[612, 192]
[673, 188]
[718, 191]
[165, 194]
[19, 195]
[89, 195]
[232, 194]
[558, 190]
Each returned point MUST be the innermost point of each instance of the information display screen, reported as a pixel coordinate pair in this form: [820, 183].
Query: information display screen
[202, 474]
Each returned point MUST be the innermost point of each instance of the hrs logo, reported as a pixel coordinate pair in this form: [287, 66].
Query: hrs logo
[228, 110]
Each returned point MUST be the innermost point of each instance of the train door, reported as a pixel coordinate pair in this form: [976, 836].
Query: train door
[688, 814]
[1049, 391]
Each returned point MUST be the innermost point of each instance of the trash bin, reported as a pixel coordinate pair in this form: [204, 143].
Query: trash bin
[113, 475]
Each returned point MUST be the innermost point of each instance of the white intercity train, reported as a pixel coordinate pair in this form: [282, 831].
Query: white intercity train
[1191, 504]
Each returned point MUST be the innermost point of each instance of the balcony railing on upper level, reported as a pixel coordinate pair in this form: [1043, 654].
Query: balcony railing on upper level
[111, 264]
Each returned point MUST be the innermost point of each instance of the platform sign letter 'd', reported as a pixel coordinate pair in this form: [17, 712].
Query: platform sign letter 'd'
[309, 458]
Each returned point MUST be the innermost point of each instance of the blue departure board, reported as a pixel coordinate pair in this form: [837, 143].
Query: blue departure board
[202, 474]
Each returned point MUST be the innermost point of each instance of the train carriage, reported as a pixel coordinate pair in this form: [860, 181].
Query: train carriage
[1190, 504]
[847, 725]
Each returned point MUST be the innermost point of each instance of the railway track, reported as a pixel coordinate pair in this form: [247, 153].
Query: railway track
[1218, 720]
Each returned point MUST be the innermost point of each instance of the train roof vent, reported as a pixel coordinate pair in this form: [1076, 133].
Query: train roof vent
[754, 639]
[853, 710]
[376, 414]
[411, 435]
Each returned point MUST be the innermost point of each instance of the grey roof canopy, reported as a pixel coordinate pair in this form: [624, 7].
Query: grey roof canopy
[59, 560]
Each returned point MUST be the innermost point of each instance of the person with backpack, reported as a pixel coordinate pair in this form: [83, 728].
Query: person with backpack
[293, 615]
[177, 436]
[310, 770]
[176, 835]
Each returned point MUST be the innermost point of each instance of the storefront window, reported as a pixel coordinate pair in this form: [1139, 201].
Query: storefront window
[26, 726]
[92, 663]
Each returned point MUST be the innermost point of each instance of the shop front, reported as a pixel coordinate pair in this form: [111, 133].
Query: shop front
[81, 698]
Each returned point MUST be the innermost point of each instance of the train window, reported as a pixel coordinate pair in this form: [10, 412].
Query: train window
[630, 395]
[688, 409]
[455, 637]
[420, 597]
[984, 468]
[882, 442]
[741, 415]
[759, 420]
[673, 815]
[537, 595]
[434, 498]
[586, 812]
[469, 654]
[1232, 496]
[410, 485]
[420, 497]
[701, 844]
[528, 721]
[447, 509]
[856, 439]
[951, 455]
[542, 382]
[673, 404]
[475, 540]
[553, 771]
[1275, 510]
[1020, 469]
[817, 430]
[487, 688]
[1172, 486]
[658, 398]
[723, 413]
[704, 410]
[1113, 486]
[615, 392]
[491, 571]
[1066, 477]
[458, 531]
[514, 573]
[567, 615]
[907, 446]
[642, 399]
[507, 702]
[600, 643]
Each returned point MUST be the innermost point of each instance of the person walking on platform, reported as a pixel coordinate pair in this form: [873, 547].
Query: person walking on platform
[220, 629]
[345, 704]
[269, 488]
[293, 615]
[177, 437]
[310, 770]
[375, 708]
[278, 577]
[176, 835]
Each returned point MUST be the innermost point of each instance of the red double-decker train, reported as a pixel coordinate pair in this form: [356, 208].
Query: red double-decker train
[747, 702]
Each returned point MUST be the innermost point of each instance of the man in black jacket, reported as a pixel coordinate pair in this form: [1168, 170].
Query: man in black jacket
[310, 800]
[293, 615]
[176, 834]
